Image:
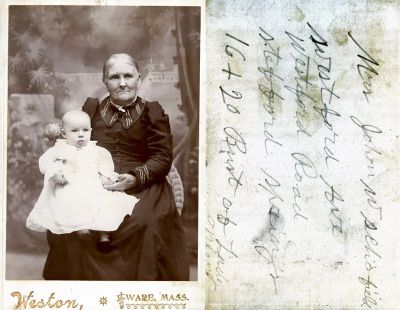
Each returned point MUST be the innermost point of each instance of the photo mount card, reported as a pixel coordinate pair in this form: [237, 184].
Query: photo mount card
[298, 166]
[53, 59]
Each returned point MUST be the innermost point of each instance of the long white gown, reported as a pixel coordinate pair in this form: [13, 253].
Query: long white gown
[82, 203]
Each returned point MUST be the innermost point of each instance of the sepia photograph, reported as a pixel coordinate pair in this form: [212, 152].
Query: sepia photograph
[102, 143]
[193, 154]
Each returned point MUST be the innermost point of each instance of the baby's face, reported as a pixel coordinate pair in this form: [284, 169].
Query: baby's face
[77, 131]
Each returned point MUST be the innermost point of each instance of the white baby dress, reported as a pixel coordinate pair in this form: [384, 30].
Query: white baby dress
[82, 203]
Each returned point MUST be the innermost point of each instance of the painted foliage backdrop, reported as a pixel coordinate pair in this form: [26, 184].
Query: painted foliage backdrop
[56, 55]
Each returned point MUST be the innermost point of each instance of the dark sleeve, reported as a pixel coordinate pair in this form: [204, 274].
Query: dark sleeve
[159, 146]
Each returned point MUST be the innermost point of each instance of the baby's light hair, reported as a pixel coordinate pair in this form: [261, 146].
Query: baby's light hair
[71, 114]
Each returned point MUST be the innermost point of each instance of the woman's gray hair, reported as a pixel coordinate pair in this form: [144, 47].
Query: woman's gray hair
[120, 57]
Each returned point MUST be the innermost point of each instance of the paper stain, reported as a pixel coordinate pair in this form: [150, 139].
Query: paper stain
[339, 27]
[337, 264]
[296, 14]
[395, 2]
[215, 8]
[275, 104]
[313, 119]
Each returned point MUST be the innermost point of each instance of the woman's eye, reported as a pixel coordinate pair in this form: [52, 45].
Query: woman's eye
[128, 76]
[114, 77]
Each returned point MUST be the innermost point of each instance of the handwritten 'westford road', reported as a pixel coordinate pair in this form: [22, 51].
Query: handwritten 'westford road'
[304, 167]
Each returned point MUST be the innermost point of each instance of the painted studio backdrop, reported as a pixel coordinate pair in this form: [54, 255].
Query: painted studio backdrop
[56, 54]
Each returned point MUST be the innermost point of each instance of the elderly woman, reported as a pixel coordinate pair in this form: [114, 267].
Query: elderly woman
[150, 243]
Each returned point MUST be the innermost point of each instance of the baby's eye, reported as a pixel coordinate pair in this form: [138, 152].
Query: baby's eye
[85, 129]
[74, 130]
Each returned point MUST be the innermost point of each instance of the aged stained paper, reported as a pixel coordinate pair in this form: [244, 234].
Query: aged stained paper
[52, 60]
[302, 155]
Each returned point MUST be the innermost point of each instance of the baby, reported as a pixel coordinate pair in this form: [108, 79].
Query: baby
[73, 197]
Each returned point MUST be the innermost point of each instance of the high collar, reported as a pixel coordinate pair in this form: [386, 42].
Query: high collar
[127, 115]
[123, 108]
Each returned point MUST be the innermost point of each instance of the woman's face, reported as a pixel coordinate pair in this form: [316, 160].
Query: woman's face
[122, 81]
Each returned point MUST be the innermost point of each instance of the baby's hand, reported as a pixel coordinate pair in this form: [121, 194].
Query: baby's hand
[59, 178]
[109, 178]
[107, 181]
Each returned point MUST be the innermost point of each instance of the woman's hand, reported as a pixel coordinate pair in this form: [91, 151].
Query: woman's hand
[124, 182]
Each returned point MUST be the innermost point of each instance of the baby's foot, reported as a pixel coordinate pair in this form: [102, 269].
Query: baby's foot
[103, 244]
[84, 235]
[83, 231]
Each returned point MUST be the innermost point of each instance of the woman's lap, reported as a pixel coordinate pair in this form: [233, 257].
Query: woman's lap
[149, 245]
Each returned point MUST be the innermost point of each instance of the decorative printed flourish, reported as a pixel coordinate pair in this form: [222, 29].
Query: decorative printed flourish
[120, 300]
[103, 301]
[121, 297]
[156, 306]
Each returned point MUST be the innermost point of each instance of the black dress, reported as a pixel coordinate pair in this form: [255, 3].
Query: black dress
[149, 244]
